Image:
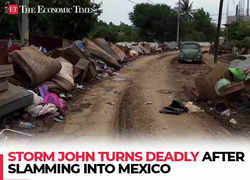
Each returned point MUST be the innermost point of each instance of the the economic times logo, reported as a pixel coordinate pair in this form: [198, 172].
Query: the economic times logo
[14, 9]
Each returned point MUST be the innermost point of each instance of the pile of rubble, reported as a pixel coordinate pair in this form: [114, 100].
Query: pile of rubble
[142, 48]
[226, 91]
[41, 81]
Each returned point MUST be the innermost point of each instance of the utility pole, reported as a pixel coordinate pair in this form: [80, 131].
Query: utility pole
[247, 7]
[237, 13]
[243, 7]
[218, 32]
[24, 24]
[178, 23]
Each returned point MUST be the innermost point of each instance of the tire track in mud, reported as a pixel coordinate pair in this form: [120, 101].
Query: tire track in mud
[132, 120]
[139, 115]
[133, 117]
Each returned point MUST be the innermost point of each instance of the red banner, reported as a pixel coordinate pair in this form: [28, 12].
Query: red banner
[1, 167]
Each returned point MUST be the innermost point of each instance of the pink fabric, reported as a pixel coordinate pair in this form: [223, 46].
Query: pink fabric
[52, 98]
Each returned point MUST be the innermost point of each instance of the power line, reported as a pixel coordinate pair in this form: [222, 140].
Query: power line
[150, 1]
[132, 1]
[137, 3]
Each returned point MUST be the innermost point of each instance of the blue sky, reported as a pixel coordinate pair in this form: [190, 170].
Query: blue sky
[117, 11]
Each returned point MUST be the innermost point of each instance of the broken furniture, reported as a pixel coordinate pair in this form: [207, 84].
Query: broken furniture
[13, 99]
[6, 69]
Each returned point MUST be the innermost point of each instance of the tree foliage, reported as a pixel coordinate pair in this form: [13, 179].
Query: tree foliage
[186, 7]
[238, 33]
[202, 23]
[114, 33]
[238, 30]
[8, 24]
[151, 22]
[154, 22]
[159, 22]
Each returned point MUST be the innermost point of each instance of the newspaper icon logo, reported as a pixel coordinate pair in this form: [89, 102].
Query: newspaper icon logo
[13, 9]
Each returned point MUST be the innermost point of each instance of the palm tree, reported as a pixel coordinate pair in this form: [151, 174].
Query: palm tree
[186, 7]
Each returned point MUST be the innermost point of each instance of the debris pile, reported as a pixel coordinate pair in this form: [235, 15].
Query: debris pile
[227, 89]
[37, 83]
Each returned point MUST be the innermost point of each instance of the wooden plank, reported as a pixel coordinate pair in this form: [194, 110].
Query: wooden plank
[6, 70]
[235, 87]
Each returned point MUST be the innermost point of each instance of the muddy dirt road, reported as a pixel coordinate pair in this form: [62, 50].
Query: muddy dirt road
[154, 87]
[129, 105]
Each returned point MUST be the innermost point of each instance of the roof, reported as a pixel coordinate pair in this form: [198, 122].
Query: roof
[190, 42]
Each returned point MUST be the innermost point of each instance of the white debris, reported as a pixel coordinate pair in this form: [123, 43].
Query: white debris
[148, 103]
[117, 78]
[226, 113]
[233, 121]
[193, 108]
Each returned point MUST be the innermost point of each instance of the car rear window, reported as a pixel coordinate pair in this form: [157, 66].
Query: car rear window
[190, 46]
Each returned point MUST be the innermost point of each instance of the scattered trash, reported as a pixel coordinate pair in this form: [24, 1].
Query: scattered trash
[193, 108]
[52, 98]
[64, 79]
[111, 103]
[220, 84]
[44, 90]
[52, 73]
[175, 108]
[36, 99]
[118, 79]
[59, 119]
[43, 50]
[78, 86]
[148, 103]
[220, 107]
[165, 91]
[238, 74]
[66, 96]
[233, 121]
[116, 74]
[2, 132]
[33, 66]
[26, 125]
[226, 113]
[171, 110]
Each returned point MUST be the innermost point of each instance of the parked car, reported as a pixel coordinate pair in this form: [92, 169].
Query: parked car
[190, 52]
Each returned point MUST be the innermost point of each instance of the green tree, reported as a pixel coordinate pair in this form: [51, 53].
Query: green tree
[158, 22]
[72, 26]
[239, 30]
[186, 7]
[154, 21]
[114, 33]
[186, 20]
[103, 30]
[238, 34]
[203, 23]
[8, 24]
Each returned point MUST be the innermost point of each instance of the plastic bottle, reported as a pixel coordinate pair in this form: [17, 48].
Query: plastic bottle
[26, 125]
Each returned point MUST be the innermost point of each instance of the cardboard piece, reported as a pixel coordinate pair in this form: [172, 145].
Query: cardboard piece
[206, 84]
